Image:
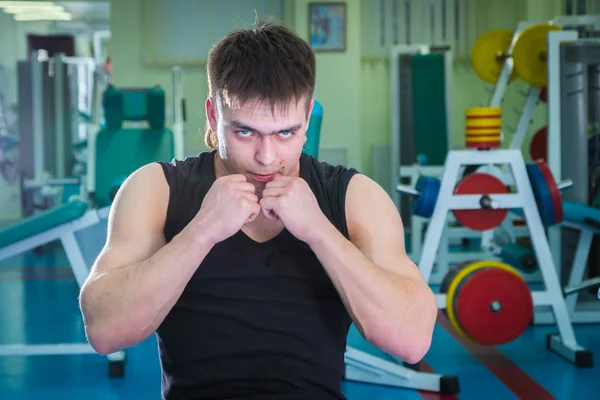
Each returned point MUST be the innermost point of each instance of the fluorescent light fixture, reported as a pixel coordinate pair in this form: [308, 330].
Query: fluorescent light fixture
[35, 11]
[27, 10]
[42, 17]
[23, 4]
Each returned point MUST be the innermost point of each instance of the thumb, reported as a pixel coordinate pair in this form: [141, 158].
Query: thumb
[255, 211]
[268, 205]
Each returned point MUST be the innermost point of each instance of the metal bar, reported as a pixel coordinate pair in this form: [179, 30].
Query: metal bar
[456, 20]
[407, 189]
[588, 283]
[177, 95]
[382, 23]
[444, 22]
[432, 21]
[38, 116]
[407, 21]
[526, 116]
[59, 117]
[395, 18]
[565, 184]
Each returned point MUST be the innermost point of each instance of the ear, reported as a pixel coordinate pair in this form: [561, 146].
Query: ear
[310, 108]
[211, 113]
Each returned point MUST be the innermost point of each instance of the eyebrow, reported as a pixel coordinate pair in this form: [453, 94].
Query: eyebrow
[241, 125]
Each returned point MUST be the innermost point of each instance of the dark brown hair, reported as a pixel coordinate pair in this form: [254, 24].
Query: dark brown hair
[266, 62]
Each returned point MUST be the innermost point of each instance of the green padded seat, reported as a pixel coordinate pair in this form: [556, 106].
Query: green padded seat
[120, 150]
[42, 222]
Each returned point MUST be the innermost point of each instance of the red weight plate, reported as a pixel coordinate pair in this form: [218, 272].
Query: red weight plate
[480, 219]
[554, 191]
[493, 306]
[538, 148]
[483, 145]
[544, 94]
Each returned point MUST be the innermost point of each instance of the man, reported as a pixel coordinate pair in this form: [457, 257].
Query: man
[250, 261]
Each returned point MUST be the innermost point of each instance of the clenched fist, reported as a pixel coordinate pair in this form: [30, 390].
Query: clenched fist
[291, 200]
[230, 203]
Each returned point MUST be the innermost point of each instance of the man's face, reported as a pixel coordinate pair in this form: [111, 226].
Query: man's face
[257, 140]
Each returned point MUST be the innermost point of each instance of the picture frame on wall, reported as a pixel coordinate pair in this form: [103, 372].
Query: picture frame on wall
[327, 26]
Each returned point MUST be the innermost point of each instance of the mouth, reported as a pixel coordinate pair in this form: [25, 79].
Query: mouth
[263, 178]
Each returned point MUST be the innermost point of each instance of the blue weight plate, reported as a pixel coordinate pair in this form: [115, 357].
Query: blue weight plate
[542, 195]
[429, 189]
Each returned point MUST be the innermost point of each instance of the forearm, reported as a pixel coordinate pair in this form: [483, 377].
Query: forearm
[123, 306]
[395, 312]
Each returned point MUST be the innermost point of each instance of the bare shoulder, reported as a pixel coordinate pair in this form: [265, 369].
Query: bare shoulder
[375, 226]
[367, 201]
[136, 220]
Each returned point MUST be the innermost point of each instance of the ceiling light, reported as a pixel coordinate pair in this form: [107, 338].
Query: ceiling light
[23, 4]
[42, 17]
[25, 10]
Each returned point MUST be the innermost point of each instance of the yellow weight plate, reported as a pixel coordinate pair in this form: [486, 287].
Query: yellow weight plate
[482, 139]
[479, 111]
[489, 52]
[530, 54]
[453, 285]
[483, 123]
[483, 132]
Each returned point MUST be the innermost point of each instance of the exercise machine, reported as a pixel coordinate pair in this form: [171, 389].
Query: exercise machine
[111, 152]
[57, 93]
[573, 108]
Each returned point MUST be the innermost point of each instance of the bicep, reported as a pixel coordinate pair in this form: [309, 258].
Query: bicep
[136, 220]
[375, 226]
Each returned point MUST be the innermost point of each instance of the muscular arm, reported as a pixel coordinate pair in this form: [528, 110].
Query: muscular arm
[137, 278]
[383, 290]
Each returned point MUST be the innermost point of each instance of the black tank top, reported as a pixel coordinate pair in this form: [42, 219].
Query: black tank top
[256, 320]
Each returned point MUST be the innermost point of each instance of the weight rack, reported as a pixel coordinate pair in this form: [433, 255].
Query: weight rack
[565, 342]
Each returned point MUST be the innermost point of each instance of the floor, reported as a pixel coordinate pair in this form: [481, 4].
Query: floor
[39, 304]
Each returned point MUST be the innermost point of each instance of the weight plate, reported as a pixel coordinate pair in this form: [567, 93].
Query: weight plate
[542, 195]
[480, 219]
[538, 148]
[483, 145]
[429, 189]
[555, 194]
[451, 273]
[492, 305]
[544, 94]
[530, 54]
[489, 303]
[482, 137]
[498, 172]
[488, 53]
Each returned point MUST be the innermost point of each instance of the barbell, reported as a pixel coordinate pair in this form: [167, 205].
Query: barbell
[490, 213]
[529, 54]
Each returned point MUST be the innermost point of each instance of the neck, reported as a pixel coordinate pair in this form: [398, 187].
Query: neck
[220, 167]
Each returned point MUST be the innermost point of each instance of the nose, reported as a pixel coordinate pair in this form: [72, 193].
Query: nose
[266, 152]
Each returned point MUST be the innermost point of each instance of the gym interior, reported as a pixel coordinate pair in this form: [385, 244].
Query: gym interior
[426, 97]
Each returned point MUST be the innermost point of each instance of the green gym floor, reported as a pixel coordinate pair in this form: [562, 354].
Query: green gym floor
[39, 305]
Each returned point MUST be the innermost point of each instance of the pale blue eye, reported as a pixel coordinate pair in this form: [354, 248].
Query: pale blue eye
[285, 135]
[244, 133]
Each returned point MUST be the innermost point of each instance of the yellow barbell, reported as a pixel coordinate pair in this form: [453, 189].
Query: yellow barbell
[529, 54]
